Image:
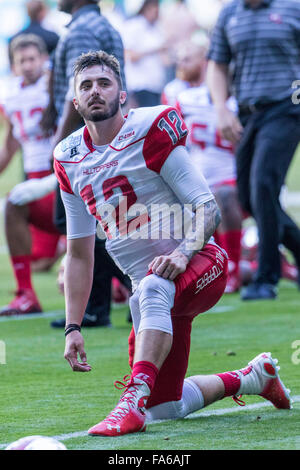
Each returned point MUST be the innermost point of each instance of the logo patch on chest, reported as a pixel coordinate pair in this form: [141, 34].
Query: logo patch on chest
[70, 143]
[126, 136]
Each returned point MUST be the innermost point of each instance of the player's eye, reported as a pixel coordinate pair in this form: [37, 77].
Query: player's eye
[85, 85]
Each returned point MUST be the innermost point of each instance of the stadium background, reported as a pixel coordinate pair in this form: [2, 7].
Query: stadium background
[39, 391]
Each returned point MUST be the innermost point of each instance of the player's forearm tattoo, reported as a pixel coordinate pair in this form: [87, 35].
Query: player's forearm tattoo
[208, 218]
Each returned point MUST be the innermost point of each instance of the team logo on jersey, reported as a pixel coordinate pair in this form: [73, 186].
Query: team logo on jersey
[126, 136]
[71, 142]
[73, 152]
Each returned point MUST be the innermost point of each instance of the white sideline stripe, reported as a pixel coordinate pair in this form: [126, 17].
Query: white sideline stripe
[198, 414]
[30, 316]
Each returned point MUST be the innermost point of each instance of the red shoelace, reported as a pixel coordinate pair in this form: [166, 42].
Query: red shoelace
[238, 400]
[126, 384]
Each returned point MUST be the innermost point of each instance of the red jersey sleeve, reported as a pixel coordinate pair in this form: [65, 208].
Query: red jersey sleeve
[167, 132]
[62, 177]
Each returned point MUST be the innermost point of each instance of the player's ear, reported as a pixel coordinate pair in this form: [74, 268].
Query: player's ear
[75, 102]
[123, 97]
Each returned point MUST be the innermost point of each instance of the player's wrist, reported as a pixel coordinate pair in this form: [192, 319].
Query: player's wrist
[72, 327]
[184, 255]
[220, 106]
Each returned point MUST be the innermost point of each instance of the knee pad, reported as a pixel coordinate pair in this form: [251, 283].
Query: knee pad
[135, 310]
[156, 299]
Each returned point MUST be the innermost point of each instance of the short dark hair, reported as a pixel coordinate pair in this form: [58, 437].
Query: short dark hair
[35, 8]
[93, 58]
[146, 4]
[27, 40]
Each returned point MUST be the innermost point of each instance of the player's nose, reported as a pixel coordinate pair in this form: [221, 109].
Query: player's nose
[96, 90]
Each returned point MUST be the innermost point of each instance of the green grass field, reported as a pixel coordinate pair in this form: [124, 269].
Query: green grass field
[41, 395]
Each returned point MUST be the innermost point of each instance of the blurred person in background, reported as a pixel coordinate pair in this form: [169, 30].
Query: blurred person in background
[213, 154]
[267, 130]
[88, 30]
[23, 108]
[190, 68]
[37, 11]
[144, 44]
[178, 24]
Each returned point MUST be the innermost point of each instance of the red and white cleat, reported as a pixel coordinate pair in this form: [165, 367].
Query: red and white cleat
[128, 416]
[24, 302]
[261, 378]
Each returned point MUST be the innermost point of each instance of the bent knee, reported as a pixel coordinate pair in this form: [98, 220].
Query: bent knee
[152, 285]
[156, 299]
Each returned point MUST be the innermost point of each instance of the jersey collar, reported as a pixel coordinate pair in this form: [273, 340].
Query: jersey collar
[88, 140]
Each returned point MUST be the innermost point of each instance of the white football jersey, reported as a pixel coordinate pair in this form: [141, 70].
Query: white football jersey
[23, 106]
[130, 185]
[214, 154]
[171, 91]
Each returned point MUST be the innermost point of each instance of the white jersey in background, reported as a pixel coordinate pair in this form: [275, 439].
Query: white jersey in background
[146, 163]
[172, 90]
[23, 106]
[209, 150]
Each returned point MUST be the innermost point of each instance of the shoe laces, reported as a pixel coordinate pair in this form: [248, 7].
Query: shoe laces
[238, 400]
[130, 389]
[127, 400]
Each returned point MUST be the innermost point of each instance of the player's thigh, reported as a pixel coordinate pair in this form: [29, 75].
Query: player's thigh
[41, 213]
[202, 284]
[44, 244]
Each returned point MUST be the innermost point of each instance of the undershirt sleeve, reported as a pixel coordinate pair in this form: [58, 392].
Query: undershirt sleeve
[80, 223]
[185, 178]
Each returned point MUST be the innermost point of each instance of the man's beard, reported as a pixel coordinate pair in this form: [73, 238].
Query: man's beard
[189, 75]
[97, 115]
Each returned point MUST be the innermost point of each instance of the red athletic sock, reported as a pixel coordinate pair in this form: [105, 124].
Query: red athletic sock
[232, 383]
[22, 271]
[146, 371]
[231, 242]
[131, 347]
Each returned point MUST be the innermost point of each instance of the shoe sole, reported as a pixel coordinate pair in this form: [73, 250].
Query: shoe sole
[275, 388]
[95, 434]
[10, 313]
